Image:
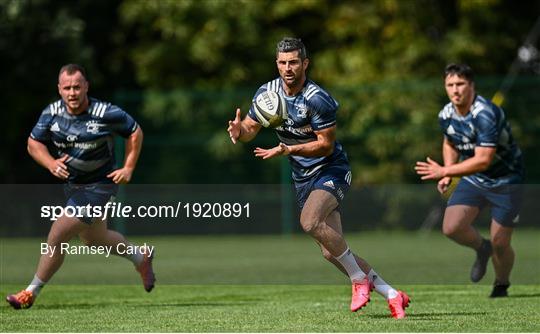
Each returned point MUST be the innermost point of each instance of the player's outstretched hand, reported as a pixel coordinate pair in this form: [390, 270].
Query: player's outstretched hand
[235, 127]
[281, 149]
[121, 176]
[444, 184]
[59, 169]
[429, 169]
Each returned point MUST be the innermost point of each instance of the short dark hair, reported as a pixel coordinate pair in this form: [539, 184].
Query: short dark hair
[288, 44]
[461, 70]
[72, 69]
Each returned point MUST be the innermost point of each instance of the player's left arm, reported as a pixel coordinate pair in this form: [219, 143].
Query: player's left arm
[322, 147]
[323, 121]
[133, 150]
[432, 170]
[242, 130]
[488, 132]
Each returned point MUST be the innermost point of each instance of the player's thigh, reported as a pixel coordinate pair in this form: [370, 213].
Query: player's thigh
[318, 206]
[457, 217]
[501, 236]
[95, 231]
[64, 229]
[463, 206]
[93, 196]
[505, 202]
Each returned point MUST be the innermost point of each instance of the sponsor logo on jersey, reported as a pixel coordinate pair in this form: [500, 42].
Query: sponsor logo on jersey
[83, 146]
[55, 127]
[93, 127]
[465, 147]
[327, 124]
[301, 131]
[71, 138]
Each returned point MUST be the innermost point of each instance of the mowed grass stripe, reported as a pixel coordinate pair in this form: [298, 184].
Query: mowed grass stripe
[269, 308]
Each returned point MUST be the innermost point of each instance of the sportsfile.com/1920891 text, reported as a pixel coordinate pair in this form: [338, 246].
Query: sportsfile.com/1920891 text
[180, 210]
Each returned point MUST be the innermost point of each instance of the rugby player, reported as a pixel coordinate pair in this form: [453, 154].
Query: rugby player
[321, 171]
[80, 131]
[478, 145]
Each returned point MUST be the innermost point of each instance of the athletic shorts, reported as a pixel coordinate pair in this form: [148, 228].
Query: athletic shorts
[334, 179]
[93, 194]
[505, 201]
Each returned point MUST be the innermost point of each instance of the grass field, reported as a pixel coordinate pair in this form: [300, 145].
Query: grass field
[271, 284]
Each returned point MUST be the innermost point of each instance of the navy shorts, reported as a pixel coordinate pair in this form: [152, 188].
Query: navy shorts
[334, 179]
[95, 194]
[505, 201]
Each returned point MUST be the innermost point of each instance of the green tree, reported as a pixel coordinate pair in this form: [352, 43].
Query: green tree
[381, 59]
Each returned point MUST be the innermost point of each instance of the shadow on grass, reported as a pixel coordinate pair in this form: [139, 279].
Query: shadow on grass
[104, 305]
[198, 304]
[428, 315]
[523, 295]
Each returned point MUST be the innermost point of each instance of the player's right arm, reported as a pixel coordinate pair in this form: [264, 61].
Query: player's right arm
[242, 130]
[449, 153]
[40, 153]
[450, 157]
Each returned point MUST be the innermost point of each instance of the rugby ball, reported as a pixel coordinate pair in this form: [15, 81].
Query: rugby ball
[270, 109]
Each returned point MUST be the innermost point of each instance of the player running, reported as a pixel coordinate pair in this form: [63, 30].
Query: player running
[321, 171]
[81, 130]
[479, 146]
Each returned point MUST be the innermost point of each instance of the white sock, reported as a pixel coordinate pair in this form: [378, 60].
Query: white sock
[137, 257]
[348, 262]
[36, 285]
[381, 286]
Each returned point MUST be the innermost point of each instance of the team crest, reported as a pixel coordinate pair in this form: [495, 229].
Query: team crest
[301, 111]
[93, 127]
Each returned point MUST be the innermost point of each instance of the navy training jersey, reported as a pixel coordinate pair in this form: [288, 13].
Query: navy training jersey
[86, 138]
[486, 126]
[312, 109]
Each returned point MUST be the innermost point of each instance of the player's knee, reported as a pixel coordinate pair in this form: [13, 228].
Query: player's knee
[55, 239]
[86, 241]
[500, 244]
[450, 230]
[306, 226]
[309, 225]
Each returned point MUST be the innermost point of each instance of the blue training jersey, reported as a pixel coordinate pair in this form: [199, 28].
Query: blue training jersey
[486, 126]
[86, 138]
[312, 109]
